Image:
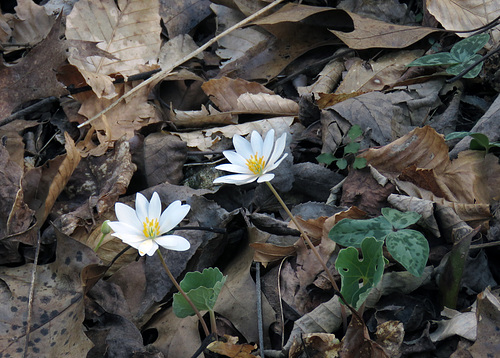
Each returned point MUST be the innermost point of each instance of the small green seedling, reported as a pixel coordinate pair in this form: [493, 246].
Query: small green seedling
[479, 141]
[350, 148]
[202, 288]
[359, 276]
[409, 247]
[462, 55]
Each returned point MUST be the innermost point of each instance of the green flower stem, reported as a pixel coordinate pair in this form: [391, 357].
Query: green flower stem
[313, 248]
[174, 281]
[100, 242]
[213, 323]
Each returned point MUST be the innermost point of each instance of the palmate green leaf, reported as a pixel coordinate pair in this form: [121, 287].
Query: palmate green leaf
[479, 142]
[463, 50]
[400, 220]
[354, 132]
[326, 158]
[342, 163]
[352, 147]
[457, 69]
[202, 288]
[359, 276]
[350, 232]
[436, 59]
[410, 248]
[359, 163]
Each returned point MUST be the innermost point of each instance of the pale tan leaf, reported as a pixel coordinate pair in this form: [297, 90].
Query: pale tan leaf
[129, 31]
[5, 30]
[266, 104]
[31, 24]
[328, 78]
[175, 49]
[465, 15]
[225, 91]
[181, 16]
[212, 139]
[64, 172]
[201, 118]
[375, 75]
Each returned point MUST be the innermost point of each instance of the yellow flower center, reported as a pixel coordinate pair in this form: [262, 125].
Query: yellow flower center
[151, 228]
[256, 164]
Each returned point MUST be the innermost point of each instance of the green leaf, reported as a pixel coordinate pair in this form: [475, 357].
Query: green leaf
[436, 59]
[400, 220]
[465, 49]
[202, 288]
[352, 147]
[355, 132]
[359, 163]
[479, 142]
[350, 232]
[410, 248]
[457, 69]
[326, 158]
[456, 135]
[359, 276]
[342, 163]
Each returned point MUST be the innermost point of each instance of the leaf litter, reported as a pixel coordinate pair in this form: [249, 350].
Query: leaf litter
[165, 133]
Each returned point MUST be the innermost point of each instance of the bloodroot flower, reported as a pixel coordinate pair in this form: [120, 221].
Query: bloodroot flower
[144, 227]
[254, 159]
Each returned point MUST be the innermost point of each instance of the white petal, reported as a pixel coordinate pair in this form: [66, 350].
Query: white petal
[121, 227]
[126, 214]
[238, 179]
[242, 146]
[232, 168]
[265, 177]
[278, 149]
[148, 247]
[141, 207]
[257, 143]
[268, 145]
[235, 158]
[173, 242]
[129, 239]
[172, 216]
[276, 164]
[154, 209]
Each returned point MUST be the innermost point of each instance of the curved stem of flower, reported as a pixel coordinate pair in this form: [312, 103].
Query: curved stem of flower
[100, 242]
[310, 244]
[174, 281]
[213, 323]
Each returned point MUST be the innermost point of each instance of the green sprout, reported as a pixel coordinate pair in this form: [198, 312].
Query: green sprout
[352, 147]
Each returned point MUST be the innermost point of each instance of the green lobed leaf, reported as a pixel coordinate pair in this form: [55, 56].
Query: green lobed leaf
[202, 288]
[479, 142]
[359, 276]
[359, 163]
[410, 248]
[342, 163]
[457, 69]
[436, 59]
[350, 232]
[352, 147]
[466, 48]
[457, 135]
[326, 158]
[355, 131]
[400, 220]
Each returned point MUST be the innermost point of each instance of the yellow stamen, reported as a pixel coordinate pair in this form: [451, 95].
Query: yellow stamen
[151, 228]
[256, 164]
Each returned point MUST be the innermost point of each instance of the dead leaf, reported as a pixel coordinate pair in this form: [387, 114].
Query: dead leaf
[31, 24]
[129, 31]
[40, 67]
[266, 253]
[202, 117]
[324, 344]
[465, 15]
[328, 79]
[390, 335]
[180, 16]
[463, 324]
[232, 350]
[357, 343]
[58, 307]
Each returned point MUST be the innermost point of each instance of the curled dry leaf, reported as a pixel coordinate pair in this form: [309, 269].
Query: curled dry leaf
[203, 117]
[129, 30]
[31, 23]
[328, 79]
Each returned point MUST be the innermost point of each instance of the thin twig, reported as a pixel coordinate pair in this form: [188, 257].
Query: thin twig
[260, 325]
[31, 294]
[174, 281]
[164, 73]
[33, 108]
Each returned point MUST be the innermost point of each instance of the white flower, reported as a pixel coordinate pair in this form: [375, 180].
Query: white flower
[253, 160]
[143, 228]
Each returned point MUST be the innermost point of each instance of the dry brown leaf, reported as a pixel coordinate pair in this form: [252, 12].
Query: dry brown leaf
[225, 91]
[266, 253]
[325, 344]
[64, 172]
[375, 75]
[358, 344]
[465, 15]
[266, 104]
[181, 16]
[5, 30]
[330, 99]
[31, 23]
[203, 117]
[328, 78]
[40, 67]
[390, 335]
[232, 350]
[129, 31]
